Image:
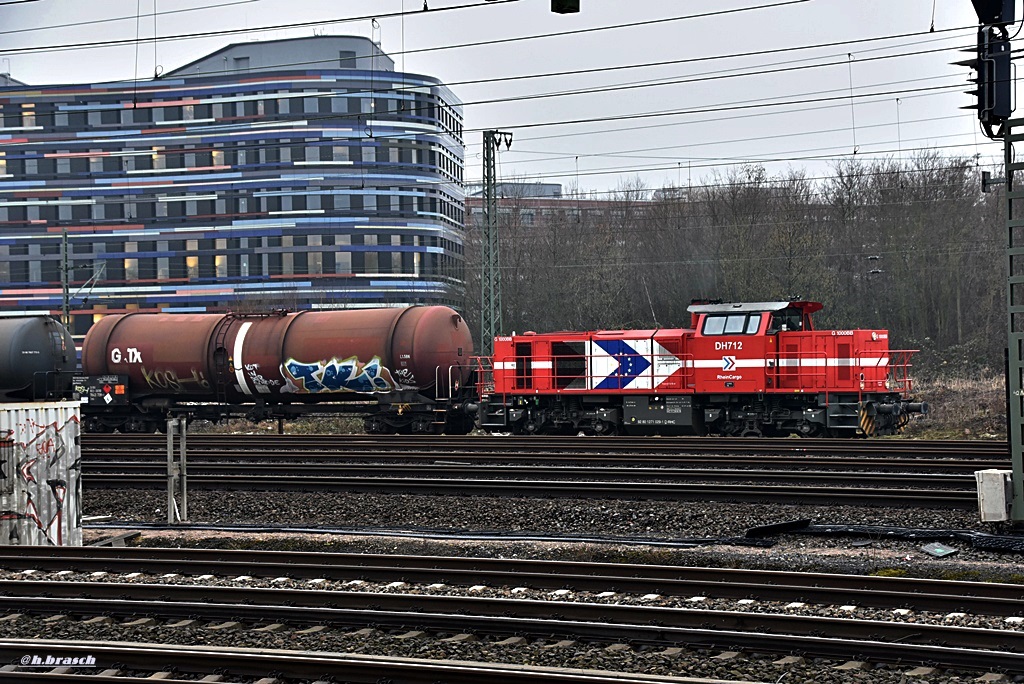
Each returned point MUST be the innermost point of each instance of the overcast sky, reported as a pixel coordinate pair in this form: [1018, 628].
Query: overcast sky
[663, 124]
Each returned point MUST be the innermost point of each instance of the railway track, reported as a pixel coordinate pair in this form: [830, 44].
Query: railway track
[653, 447]
[100, 460]
[135, 665]
[519, 602]
[923, 480]
[865, 493]
[288, 467]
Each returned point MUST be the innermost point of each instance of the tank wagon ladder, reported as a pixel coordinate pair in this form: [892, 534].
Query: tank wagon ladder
[53, 383]
[442, 402]
[484, 391]
[221, 358]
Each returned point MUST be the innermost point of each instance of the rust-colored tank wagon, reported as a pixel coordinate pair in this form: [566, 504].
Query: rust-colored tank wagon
[405, 358]
[35, 352]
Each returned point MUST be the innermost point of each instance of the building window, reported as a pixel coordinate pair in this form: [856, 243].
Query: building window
[241, 64]
[220, 259]
[192, 259]
[131, 265]
[316, 258]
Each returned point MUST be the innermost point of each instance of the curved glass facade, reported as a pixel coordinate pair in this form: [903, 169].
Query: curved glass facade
[235, 183]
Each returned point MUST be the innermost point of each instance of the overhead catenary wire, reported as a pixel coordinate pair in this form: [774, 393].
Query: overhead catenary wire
[730, 75]
[391, 15]
[714, 109]
[771, 187]
[768, 104]
[94, 22]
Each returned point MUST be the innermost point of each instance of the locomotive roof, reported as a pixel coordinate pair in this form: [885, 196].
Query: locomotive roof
[747, 307]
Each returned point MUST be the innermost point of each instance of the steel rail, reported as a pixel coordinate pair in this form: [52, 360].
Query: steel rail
[983, 598]
[959, 499]
[295, 665]
[106, 458]
[522, 472]
[635, 445]
[961, 646]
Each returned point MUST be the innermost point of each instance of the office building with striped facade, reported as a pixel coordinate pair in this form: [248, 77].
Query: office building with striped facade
[302, 173]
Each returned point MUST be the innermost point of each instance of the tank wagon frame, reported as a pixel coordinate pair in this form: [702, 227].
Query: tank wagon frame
[751, 369]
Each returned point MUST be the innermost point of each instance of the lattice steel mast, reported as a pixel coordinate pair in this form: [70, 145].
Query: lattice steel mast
[490, 275]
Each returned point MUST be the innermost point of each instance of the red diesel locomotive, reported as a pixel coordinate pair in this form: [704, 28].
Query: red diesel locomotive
[751, 369]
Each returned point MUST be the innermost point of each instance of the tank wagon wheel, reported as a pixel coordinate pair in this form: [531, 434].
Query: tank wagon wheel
[139, 425]
[376, 426]
[96, 425]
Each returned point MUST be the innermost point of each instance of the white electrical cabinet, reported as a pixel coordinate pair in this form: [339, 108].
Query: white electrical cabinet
[994, 494]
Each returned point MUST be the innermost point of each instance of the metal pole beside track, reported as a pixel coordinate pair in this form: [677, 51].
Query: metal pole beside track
[177, 472]
[172, 425]
[183, 468]
[1015, 320]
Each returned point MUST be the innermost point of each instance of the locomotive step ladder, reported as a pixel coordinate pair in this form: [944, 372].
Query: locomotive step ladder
[843, 412]
[488, 418]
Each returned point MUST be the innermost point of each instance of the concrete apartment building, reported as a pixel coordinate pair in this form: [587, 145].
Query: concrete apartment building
[302, 173]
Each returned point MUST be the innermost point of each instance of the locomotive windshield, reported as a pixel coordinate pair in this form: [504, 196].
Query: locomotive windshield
[732, 324]
[787, 319]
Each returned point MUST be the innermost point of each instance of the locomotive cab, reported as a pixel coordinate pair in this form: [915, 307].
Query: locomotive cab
[768, 371]
[792, 318]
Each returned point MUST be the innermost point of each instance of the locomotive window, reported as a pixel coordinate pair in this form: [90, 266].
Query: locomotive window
[732, 324]
[753, 323]
[714, 325]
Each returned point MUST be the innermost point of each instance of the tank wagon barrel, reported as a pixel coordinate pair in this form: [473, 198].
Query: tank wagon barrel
[405, 358]
[37, 356]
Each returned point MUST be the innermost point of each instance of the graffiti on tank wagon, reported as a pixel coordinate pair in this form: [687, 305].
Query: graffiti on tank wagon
[337, 376]
[169, 379]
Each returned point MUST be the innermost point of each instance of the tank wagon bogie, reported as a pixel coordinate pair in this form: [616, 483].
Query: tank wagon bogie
[401, 366]
[755, 369]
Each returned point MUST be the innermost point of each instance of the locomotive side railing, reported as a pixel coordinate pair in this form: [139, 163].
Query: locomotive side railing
[898, 378]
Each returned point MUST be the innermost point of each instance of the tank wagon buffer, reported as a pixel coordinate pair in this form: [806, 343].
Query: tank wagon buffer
[748, 369]
[400, 368]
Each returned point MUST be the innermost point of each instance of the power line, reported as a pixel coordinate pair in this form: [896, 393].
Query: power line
[709, 109]
[744, 162]
[391, 15]
[699, 78]
[93, 22]
[754, 159]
